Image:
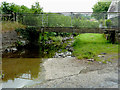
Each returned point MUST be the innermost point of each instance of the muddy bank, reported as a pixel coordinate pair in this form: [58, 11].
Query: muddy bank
[72, 73]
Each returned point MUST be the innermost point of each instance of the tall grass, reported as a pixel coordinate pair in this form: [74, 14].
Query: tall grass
[91, 45]
[10, 26]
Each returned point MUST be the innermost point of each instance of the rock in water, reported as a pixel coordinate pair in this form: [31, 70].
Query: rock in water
[8, 50]
[13, 49]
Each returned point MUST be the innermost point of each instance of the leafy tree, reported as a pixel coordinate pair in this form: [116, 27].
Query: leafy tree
[100, 9]
[36, 8]
[15, 8]
[24, 9]
[5, 7]
[9, 8]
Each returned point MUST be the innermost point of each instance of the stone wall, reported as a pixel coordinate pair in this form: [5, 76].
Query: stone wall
[9, 40]
[113, 35]
[117, 36]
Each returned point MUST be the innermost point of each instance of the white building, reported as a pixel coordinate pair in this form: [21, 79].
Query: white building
[114, 12]
[114, 9]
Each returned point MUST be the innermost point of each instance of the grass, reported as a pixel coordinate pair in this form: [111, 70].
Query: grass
[10, 26]
[90, 45]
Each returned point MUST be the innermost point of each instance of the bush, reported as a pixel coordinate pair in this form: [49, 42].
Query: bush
[85, 23]
[30, 33]
[32, 20]
[108, 23]
[57, 20]
[56, 39]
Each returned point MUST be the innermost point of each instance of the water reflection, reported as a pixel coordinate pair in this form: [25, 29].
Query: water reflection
[24, 68]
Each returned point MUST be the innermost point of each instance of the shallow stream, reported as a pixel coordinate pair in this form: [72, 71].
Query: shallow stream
[24, 67]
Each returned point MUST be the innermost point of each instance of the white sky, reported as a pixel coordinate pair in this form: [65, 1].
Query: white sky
[59, 5]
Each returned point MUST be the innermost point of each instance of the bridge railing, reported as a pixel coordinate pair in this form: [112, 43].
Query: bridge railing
[81, 20]
[78, 20]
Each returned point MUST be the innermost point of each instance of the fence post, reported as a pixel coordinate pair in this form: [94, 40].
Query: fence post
[15, 16]
[71, 18]
[42, 20]
[47, 20]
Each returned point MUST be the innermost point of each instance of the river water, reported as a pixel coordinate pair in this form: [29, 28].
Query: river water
[21, 71]
[24, 67]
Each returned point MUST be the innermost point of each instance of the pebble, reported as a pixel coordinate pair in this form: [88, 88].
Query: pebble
[11, 50]
[101, 55]
[20, 37]
[92, 60]
[68, 56]
[63, 54]
[14, 49]
[71, 49]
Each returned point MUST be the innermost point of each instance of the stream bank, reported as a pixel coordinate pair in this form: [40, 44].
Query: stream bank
[9, 41]
[31, 57]
[16, 46]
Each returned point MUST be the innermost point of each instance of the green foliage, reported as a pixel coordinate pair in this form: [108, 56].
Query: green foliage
[24, 9]
[46, 19]
[100, 9]
[56, 39]
[81, 23]
[5, 7]
[108, 23]
[30, 33]
[32, 20]
[101, 21]
[36, 9]
[57, 20]
[87, 46]
[10, 8]
[19, 43]
[76, 22]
